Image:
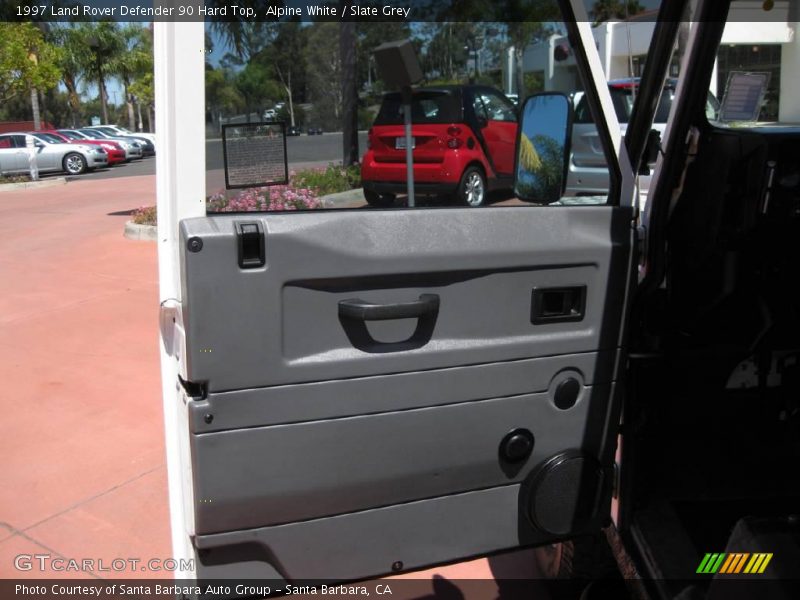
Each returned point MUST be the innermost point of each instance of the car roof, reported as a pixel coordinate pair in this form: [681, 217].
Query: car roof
[627, 82]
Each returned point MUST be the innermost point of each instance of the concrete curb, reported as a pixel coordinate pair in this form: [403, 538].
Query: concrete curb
[10, 187]
[348, 199]
[145, 233]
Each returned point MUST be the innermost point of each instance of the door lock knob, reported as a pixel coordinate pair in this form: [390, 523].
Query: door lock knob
[517, 445]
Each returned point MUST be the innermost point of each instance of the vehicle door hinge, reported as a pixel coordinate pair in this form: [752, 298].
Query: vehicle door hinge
[195, 390]
[641, 241]
[170, 323]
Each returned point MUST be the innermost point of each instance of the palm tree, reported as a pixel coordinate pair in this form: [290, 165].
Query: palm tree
[134, 60]
[71, 63]
[104, 44]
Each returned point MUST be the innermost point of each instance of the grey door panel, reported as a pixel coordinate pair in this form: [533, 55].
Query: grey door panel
[272, 475]
[370, 395]
[328, 441]
[368, 543]
[249, 328]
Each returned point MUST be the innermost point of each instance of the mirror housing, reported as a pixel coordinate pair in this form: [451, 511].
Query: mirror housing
[543, 147]
[651, 149]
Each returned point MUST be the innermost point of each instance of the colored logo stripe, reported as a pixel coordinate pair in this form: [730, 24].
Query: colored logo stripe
[758, 563]
[711, 563]
[734, 562]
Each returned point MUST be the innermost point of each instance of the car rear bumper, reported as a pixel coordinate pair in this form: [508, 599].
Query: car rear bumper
[442, 175]
[401, 187]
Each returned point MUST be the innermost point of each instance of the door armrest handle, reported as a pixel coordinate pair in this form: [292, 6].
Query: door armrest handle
[362, 310]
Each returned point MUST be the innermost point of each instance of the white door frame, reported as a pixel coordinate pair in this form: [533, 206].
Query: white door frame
[179, 53]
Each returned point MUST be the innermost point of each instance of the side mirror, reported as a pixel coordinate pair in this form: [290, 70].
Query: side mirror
[543, 147]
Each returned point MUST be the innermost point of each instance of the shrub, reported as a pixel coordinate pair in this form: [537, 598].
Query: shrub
[331, 180]
[14, 178]
[145, 215]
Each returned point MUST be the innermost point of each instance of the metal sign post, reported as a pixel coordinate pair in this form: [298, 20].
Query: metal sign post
[409, 145]
[399, 68]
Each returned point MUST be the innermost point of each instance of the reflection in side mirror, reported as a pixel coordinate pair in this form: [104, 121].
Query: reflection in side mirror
[543, 145]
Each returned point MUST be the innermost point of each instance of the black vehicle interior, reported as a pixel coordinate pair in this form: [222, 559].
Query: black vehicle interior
[713, 419]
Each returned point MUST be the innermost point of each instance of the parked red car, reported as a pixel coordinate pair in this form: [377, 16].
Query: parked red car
[116, 153]
[464, 139]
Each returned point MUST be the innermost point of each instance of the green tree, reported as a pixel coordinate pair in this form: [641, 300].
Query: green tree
[143, 90]
[605, 10]
[222, 95]
[28, 63]
[324, 72]
[288, 45]
[256, 86]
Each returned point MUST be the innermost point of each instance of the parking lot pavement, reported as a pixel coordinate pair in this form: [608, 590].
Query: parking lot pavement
[83, 468]
[82, 438]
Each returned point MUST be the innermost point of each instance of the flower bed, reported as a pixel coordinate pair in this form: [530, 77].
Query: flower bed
[303, 193]
[262, 199]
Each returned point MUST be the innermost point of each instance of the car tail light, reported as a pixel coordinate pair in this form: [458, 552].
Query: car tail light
[454, 142]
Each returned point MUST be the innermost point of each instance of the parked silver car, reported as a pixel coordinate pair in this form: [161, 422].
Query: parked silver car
[133, 149]
[145, 140]
[119, 130]
[50, 156]
[588, 171]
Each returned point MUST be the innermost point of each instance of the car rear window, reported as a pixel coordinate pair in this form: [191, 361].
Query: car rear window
[54, 139]
[426, 107]
[623, 104]
[623, 98]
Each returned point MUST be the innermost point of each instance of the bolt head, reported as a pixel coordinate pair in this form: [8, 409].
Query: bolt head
[194, 244]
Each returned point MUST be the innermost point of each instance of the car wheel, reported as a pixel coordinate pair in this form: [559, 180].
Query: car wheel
[472, 188]
[379, 200]
[74, 163]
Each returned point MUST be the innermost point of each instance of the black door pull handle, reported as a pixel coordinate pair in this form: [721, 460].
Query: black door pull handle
[362, 310]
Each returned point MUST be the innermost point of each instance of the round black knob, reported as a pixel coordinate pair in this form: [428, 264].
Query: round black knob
[566, 394]
[517, 445]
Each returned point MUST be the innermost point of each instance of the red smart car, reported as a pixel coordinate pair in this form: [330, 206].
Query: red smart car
[463, 137]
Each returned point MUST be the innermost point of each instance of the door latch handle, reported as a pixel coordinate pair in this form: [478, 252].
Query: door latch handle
[558, 305]
[362, 310]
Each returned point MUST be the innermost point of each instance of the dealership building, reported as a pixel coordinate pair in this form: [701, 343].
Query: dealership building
[754, 40]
